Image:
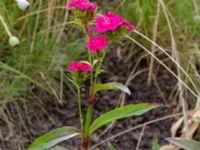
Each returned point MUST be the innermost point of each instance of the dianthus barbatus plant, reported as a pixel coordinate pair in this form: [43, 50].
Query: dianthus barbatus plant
[108, 27]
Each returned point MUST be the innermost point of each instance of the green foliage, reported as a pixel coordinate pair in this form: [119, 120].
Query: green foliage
[43, 51]
[155, 144]
[53, 137]
[120, 113]
[185, 143]
[111, 147]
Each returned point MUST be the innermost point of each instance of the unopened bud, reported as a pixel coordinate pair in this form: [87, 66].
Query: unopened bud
[22, 4]
[13, 41]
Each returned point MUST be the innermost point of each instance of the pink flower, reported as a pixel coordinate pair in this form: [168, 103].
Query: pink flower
[110, 22]
[74, 66]
[82, 5]
[85, 67]
[79, 66]
[128, 24]
[97, 43]
[107, 22]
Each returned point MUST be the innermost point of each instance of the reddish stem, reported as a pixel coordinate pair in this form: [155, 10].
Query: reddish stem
[85, 143]
[91, 98]
[86, 134]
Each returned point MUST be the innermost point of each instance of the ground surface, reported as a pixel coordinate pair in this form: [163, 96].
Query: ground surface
[39, 123]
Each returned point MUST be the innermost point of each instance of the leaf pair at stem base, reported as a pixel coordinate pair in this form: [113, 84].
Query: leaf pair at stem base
[64, 133]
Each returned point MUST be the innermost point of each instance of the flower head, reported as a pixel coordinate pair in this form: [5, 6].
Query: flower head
[97, 43]
[111, 22]
[85, 66]
[22, 4]
[82, 5]
[79, 66]
[74, 66]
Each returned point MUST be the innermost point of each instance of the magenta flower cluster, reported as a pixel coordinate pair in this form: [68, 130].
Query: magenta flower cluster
[97, 43]
[82, 5]
[79, 66]
[104, 23]
[111, 22]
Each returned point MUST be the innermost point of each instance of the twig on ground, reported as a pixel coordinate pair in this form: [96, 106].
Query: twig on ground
[140, 138]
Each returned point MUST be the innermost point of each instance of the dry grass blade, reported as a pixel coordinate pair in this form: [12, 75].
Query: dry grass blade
[38, 11]
[50, 86]
[155, 57]
[175, 55]
[153, 48]
[184, 72]
[140, 138]
[50, 16]
[35, 28]
[196, 8]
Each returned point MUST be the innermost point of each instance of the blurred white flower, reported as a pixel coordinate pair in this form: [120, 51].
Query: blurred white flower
[22, 4]
[13, 41]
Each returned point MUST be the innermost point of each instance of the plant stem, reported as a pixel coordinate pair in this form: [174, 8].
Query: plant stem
[5, 26]
[86, 131]
[79, 107]
[86, 134]
[91, 102]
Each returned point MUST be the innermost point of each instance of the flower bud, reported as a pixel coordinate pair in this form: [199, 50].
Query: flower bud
[13, 41]
[22, 4]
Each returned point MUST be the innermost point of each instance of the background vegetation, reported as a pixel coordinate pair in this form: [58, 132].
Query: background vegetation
[48, 40]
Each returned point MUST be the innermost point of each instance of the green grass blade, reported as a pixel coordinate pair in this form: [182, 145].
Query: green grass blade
[185, 143]
[9, 68]
[155, 144]
[53, 137]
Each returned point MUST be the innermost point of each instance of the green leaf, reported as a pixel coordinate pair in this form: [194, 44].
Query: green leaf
[111, 147]
[111, 86]
[185, 143]
[120, 113]
[155, 144]
[53, 137]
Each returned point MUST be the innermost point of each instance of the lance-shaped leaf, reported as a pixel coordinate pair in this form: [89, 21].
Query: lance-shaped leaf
[120, 113]
[53, 137]
[111, 86]
[185, 143]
